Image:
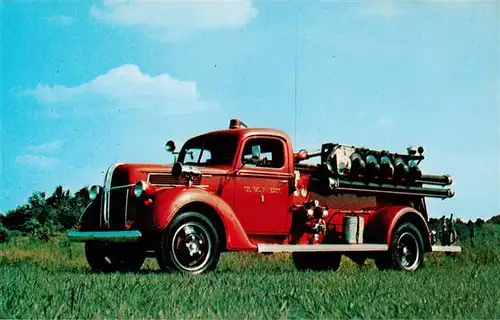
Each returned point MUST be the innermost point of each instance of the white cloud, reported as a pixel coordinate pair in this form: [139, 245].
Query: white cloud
[38, 161]
[60, 19]
[126, 87]
[48, 147]
[175, 19]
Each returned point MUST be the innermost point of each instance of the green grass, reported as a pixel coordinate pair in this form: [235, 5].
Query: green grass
[52, 280]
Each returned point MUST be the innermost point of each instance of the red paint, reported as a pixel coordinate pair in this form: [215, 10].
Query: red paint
[171, 201]
[259, 205]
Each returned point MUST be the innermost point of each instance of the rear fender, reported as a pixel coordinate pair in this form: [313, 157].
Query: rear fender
[170, 202]
[382, 224]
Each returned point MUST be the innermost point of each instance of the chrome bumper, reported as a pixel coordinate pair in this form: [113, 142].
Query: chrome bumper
[108, 236]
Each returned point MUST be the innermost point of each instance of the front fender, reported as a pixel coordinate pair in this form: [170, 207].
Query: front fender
[381, 224]
[169, 202]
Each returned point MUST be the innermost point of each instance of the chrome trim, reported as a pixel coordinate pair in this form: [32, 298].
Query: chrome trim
[201, 186]
[263, 174]
[107, 192]
[121, 187]
[170, 173]
[109, 236]
[83, 212]
[170, 184]
[101, 209]
[446, 249]
[126, 207]
[181, 185]
[321, 247]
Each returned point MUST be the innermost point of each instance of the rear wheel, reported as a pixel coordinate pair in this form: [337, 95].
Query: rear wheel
[112, 257]
[406, 250]
[316, 260]
[190, 244]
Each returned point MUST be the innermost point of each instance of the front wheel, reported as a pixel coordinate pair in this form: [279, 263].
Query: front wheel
[190, 244]
[406, 250]
[106, 257]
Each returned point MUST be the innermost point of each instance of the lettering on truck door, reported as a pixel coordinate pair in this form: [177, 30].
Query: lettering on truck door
[262, 186]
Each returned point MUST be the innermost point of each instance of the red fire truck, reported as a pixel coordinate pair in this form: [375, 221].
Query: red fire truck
[245, 189]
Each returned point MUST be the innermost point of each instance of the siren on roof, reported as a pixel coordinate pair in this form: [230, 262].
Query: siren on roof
[236, 124]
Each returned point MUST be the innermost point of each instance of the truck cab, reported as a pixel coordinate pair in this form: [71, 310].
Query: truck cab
[244, 189]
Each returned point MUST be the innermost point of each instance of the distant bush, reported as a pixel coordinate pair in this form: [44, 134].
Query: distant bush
[481, 250]
[43, 233]
[4, 234]
[494, 219]
[42, 216]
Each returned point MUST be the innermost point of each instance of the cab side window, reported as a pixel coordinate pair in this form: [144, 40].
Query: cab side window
[264, 152]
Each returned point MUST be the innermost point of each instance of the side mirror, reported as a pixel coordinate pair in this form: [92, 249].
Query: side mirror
[170, 146]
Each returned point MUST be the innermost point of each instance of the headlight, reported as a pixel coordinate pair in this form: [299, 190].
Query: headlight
[93, 192]
[139, 188]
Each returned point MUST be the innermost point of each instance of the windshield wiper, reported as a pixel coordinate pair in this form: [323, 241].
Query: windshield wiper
[201, 153]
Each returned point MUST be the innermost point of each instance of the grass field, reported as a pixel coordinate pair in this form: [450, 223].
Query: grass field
[52, 280]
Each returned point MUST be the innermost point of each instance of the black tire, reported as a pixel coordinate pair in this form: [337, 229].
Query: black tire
[190, 245]
[114, 257]
[406, 250]
[316, 261]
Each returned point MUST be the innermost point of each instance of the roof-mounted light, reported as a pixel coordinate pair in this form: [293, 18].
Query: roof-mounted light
[237, 124]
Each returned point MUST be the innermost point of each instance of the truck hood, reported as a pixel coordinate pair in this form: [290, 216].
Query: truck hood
[128, 173]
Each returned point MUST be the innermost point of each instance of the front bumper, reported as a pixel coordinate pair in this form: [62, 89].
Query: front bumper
[107, 236]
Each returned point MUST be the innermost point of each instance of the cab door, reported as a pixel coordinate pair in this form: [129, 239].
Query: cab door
[262, 196]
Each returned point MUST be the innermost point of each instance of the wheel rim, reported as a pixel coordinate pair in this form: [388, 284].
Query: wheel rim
[99, 257]
[191, 246]
[408, 251]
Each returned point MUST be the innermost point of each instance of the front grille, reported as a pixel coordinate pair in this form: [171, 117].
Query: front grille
[121, 203]
[168, 179]
[121, 206]
[118, 204]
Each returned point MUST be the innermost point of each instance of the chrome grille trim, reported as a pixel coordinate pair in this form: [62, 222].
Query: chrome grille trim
[126, 206]
[107, 192]
[101, 209]
[121, 187]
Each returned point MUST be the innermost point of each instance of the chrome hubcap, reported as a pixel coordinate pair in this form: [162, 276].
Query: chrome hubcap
[408, 251]
[191, 246]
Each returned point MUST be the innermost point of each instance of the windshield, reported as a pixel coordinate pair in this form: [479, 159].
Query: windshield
[209, 150]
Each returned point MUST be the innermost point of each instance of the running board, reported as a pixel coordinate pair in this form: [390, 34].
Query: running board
[321, 247]
[446, 249]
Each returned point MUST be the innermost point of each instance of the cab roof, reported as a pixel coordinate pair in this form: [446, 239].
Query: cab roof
[247, 132]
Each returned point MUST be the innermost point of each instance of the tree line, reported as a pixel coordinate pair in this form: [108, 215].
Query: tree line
[44, 215]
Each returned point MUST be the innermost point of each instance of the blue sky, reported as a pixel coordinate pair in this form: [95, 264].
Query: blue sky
[85, 85]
